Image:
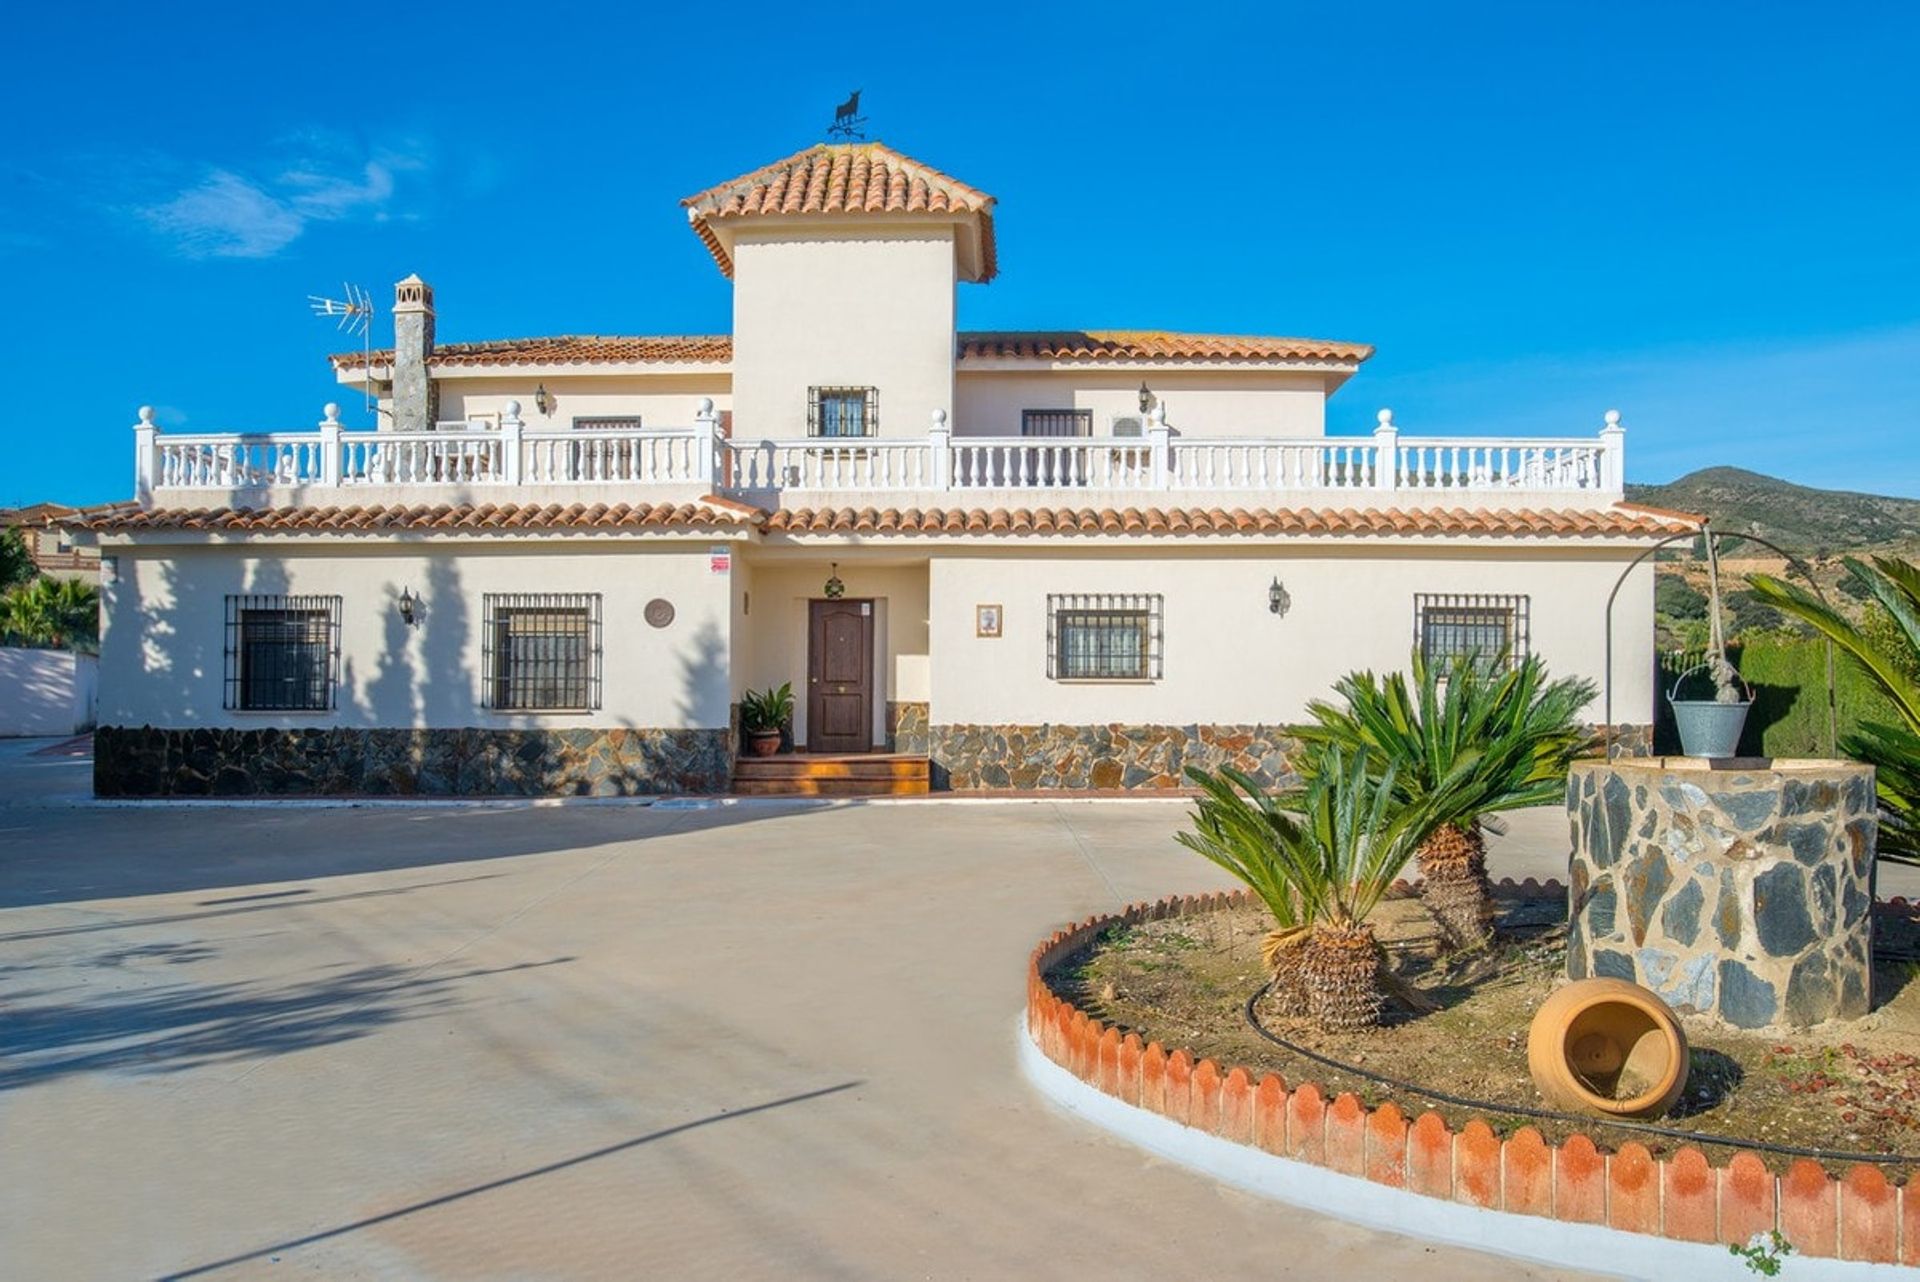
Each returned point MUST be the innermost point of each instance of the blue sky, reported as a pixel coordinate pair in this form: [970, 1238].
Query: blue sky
[1705, 215]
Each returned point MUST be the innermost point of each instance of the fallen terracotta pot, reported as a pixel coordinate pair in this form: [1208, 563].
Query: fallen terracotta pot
[1608, 1048]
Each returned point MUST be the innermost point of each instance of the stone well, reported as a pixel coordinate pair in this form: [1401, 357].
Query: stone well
[1741, 889]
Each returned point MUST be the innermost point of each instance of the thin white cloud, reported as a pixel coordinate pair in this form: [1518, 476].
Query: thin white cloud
[225, 213]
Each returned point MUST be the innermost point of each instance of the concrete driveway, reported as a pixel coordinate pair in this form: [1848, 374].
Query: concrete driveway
[448, 1041]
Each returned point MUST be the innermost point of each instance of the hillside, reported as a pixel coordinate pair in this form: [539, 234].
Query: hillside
[1801, 519]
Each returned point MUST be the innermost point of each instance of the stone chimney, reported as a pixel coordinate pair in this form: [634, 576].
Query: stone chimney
[415, 400]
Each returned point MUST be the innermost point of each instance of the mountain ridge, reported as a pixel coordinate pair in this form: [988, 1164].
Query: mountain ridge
[1800, 518]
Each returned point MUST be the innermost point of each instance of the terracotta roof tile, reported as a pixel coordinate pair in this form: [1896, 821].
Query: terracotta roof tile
[1617, 521]
[1149, 344]
[707, 513]
[840, 178]
[1064, 345]
[567, 349]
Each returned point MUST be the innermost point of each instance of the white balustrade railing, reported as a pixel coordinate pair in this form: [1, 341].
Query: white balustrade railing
[830, 464]
[509, 455]
[207, 462]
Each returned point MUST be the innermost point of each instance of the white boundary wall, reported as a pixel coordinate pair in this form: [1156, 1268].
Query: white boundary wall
[46, 692]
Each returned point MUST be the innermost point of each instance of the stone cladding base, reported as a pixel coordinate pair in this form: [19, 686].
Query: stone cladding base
[144, 761]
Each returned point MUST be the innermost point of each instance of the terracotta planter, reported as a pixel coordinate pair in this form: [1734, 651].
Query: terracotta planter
[1608, 1048]
[763, 743]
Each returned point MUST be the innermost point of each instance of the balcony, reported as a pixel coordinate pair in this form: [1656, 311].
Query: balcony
[510, 463]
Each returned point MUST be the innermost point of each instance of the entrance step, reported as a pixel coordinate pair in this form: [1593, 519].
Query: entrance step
[801, 774]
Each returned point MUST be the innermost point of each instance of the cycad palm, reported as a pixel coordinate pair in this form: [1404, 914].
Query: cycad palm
[1890, 660]
[1322, 858]
[1468, 740]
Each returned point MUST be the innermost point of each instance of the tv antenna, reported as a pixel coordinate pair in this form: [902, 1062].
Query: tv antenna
[355, 316]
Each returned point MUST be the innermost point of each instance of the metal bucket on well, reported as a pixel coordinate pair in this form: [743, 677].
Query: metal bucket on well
[1707, 727]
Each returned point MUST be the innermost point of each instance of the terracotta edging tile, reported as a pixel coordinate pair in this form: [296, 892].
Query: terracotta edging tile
[1809, 1208]
[1205, 1114]
[1270, 1113]
[1387, 1146]
[1910, 1223]
[1579, 1181]
[1869, 1216]
[1526, 1174]
[1179, 1106]
[1236, 1106]
[1430, 1157]
[1153, 1079]
[1690, 1197]
[1633, 1190]
[1126, 1084]
[1347, 1135]
[1748, 1201]
[1307, 1125]
[1476, 1165]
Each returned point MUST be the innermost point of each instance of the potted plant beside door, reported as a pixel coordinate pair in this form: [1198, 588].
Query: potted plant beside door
[764, 716]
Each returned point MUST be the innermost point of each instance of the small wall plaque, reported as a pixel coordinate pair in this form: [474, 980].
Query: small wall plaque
[659, 612]
[986, 620]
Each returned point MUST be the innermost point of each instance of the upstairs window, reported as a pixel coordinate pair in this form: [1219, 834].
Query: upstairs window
[843, 411]
[541, 652]
[1103, 637]
[1056, 422]
[607, 423]
[282, 653]
[1490, 629]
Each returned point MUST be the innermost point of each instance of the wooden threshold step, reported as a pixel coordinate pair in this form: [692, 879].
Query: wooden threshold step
[830, 787]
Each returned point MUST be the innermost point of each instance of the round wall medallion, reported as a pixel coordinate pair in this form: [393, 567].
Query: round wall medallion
[659, 612]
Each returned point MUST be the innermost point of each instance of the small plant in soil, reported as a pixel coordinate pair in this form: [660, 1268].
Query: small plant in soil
[1478, 735]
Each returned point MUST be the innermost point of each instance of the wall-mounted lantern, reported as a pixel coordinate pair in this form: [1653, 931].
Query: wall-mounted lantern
[409, 607]
[540, 398]
[1279, 601]
[1146, 397]
[835, 589]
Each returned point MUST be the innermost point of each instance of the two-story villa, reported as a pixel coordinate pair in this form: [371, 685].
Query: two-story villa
[1039, 560]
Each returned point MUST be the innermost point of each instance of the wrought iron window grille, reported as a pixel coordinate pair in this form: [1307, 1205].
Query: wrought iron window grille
[282, 653]
[843, 411]
[1105, 637]
[540, 652]
[1492, 628]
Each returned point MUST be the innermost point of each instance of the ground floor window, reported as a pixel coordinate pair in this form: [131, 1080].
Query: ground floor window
[541, 652]
[282, 653]
[1107, 636]
[1492, 629]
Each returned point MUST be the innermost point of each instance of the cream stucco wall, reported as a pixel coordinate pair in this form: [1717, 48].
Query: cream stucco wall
[661, 400]
[869, 306]
[1223, 402]
[781, 591]
[163, 641]
[1229, 660]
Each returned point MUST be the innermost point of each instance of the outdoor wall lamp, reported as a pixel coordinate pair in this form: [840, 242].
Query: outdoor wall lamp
[1278, 599]
[835, 589]
[409, 607]
[540, 398]
[1146, 397]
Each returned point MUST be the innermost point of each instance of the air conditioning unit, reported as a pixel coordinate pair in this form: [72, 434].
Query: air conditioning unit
[1127, 425]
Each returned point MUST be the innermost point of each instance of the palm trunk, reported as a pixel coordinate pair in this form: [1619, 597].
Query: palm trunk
[1453, 862]
[1284, 951]
[1340, 968]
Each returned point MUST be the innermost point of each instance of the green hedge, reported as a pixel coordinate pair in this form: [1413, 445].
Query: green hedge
[1789, 680]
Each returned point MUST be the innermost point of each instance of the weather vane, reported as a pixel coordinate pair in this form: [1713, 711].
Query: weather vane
[355, 313]
[848, 124]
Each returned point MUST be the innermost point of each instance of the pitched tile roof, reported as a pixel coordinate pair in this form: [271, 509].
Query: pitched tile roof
[1149, 344]
[1444, 521]
[567, 349]
[706, 513]
[1066, 345]
[840, 178]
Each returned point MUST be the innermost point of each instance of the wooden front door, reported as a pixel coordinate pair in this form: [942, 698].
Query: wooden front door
[840, 676]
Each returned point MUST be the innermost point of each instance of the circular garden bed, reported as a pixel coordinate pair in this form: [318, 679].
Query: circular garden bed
[1150, 1006]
